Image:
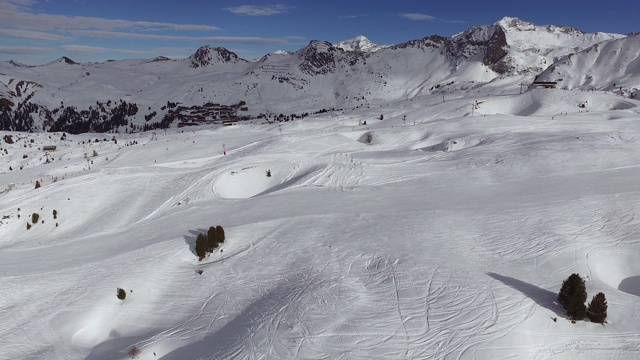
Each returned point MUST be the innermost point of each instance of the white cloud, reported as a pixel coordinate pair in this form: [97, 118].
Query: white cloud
[418, 17]
[17, 14]
[426, 17]
[254, 10]
[24, 50]
[85, 49]
[218, 39]
[32, 34]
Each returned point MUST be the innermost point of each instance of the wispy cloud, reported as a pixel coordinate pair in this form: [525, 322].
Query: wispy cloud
[218, 39]
[427, 17]
[17, 14]
[417, 16]
[454, 21]
[85, 49]
[295, 37]
[32, 35]
[24, 50]
[255, 10]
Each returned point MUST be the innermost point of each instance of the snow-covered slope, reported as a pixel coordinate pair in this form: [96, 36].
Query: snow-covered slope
[608, 66]
[443, 231]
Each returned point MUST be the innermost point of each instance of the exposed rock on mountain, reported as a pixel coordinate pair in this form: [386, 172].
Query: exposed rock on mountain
[317, 58]
[208, 55]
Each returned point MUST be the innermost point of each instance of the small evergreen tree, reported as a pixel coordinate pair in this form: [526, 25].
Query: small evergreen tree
[35, 217]
[201, 246]
[220, 232]
[37, 184]
[134, 352]
[572, 296]
[121, 294]
[597, 310]
[212, 238]
[55, 214]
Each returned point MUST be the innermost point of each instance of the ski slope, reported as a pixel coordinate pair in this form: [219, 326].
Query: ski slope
[445, 235]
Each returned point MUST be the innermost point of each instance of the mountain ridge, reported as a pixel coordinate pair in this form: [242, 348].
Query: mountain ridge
[321, 75]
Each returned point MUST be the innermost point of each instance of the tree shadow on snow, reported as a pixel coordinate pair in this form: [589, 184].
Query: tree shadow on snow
[191, 239]
[542, 297]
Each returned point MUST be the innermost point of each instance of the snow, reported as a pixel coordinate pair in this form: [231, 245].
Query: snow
[446, 236]
[443, 231]
[359, 43]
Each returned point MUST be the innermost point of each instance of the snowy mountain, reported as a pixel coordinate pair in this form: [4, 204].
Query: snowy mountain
[359, 43]
[612, 65]
[320, 76]
[531, 48]
[210, 56]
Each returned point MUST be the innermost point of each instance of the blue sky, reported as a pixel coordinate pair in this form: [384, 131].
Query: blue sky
[38, 31]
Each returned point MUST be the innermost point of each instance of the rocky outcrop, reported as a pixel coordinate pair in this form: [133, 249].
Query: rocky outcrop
[318, 58]
[207, 55]
[495, 50]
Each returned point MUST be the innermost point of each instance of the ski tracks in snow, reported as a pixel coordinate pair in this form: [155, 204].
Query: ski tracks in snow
[341, 172]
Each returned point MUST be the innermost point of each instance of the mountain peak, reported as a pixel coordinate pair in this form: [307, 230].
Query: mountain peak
[359, 43]
[207, 55]
[62, 60]
[509, 23]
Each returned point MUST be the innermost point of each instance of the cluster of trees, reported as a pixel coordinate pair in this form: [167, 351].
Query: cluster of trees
[572, 297]
[206, 244]
[94, 119]
[68, 119]
[18, 120]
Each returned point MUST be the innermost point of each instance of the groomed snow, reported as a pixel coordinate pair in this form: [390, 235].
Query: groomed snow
[445, 235]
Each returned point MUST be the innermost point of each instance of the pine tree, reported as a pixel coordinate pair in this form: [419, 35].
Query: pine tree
[597, 311]
[121, 294]
[220, 232]
[212, 238]
[572, 296]
[201, 246]
[37, 184]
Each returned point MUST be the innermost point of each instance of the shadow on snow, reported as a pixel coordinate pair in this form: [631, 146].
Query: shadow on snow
[542, 297]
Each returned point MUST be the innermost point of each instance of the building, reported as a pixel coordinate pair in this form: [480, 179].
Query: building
[544, 84]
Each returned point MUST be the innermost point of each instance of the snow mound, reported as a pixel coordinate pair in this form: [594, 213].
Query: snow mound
[456, 144]
[246, 181]
[620, 270]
